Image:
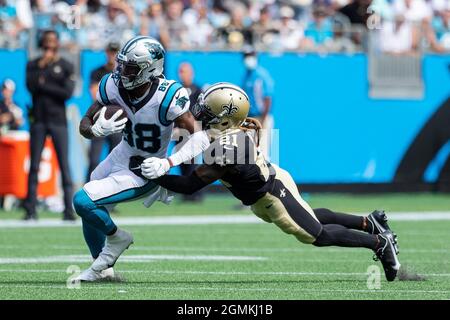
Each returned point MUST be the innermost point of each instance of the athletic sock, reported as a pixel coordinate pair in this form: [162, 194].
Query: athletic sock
[326, 216]
[95, 239]
[338, 235]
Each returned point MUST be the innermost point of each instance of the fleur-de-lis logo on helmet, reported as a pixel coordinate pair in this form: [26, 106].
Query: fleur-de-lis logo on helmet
[230, 108]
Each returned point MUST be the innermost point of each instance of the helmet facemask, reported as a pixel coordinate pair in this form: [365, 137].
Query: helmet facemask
[202, 112]
[130, 74]
[221, 107]
[140, 61]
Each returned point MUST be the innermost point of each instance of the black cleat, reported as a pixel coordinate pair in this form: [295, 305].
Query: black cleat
[386, 254]
[377, 222]
[30, 216]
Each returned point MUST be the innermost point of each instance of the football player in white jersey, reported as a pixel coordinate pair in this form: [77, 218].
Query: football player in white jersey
[153, 105]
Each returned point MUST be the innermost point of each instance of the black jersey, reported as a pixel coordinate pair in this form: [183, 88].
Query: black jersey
[245, 171]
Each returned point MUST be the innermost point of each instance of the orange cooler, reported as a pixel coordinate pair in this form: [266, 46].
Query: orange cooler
[15, 164]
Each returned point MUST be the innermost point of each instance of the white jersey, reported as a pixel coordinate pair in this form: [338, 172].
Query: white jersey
[150, 120]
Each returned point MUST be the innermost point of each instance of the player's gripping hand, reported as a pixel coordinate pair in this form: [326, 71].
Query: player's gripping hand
[153, 168]
[104, 127]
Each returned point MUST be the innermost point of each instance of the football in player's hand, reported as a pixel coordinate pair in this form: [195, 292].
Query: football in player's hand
[110, 111]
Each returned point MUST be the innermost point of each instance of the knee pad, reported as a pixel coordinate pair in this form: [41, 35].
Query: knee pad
[82, 203]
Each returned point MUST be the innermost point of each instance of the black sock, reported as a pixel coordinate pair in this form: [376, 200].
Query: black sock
[337, 235]
[112, 231]
[326, 216]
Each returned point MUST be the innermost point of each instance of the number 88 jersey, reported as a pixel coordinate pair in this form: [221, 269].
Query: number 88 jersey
[150, 119]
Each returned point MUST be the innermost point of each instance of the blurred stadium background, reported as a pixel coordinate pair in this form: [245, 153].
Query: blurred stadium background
[360, 102]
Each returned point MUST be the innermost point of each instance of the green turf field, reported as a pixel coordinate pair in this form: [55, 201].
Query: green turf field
[228, 260]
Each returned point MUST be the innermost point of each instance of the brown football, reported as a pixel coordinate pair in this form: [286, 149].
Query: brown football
[110, 111]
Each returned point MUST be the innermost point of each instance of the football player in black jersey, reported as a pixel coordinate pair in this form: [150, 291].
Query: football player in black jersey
[234, 159]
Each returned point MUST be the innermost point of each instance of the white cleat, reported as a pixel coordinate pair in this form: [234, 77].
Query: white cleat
[115, 245]
[90, 275]
[108, 274]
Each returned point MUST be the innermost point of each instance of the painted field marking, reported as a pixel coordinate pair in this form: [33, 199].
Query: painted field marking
[127, 258]
[225, 273]
[201, 220]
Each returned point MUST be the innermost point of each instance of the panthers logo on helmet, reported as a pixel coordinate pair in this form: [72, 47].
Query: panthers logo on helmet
[155, 50]
[230, 108]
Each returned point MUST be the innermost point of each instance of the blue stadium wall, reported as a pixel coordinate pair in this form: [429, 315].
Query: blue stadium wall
[330, 131]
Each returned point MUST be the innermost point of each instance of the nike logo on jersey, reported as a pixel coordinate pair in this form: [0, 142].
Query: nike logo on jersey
[282, 193]
[269, 206]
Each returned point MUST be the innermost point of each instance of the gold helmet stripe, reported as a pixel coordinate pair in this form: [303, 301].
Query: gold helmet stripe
[225, 85]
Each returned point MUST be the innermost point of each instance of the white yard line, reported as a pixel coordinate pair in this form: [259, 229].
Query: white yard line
[127, 258]
[202, 220]
[221, 273]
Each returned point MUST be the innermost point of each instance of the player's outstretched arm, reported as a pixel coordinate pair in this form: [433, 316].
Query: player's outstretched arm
[197, 142]
[201, 177]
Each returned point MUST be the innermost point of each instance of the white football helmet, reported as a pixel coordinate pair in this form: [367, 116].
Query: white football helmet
[139, 61]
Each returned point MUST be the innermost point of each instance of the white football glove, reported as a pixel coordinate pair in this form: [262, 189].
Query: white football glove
[103, 127]
[153, 168]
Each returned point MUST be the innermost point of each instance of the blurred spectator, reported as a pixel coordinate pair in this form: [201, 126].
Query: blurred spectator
[153, 23]
[114, 23]
[176, 27]
[50, 81]
[11, 116]
[186, 78]
[113, 139]
[219, 16]
[15, 17]
[264, 30]
[219, 24]
[62, 21]
[258, 84]
[198, 26]
[439, 33]
[320, 29]
[290, 32]
[342, 41]
[398, 37]
[237, 33]
[383, 8]
[357, 11]
[413, 10]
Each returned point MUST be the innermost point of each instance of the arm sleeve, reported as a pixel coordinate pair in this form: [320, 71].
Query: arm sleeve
[196, 144]
[201, 177]
[181, 184]
[64, 90]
